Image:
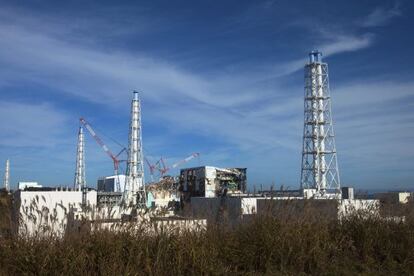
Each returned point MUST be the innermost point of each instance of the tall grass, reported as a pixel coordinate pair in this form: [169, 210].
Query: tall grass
[283, 245]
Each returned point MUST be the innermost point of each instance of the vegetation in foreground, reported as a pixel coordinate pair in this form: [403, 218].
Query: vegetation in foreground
[286, 245]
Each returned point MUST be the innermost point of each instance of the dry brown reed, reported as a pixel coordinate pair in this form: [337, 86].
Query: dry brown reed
[290, 244]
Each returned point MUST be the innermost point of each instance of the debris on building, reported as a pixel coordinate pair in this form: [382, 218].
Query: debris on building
[210, 181]
[212, 193]
[163, 194]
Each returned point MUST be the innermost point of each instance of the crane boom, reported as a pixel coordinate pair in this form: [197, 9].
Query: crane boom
[151, 168]
[165, 169]
[97, 139]
[194, 155]
[105, 148]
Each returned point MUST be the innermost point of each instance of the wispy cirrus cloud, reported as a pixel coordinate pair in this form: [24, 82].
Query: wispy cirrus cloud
[333, 44]
[381, 16]
[31, 125]
[94, 74]
[252, 110]
[347, 43]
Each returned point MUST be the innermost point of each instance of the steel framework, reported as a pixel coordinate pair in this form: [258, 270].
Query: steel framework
[80, 180]
[319, 160]
[114, 158]
[6, 179]
[134, 192]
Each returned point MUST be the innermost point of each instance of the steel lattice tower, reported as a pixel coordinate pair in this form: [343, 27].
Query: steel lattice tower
[80, 180]
[319, 161]
[6, 179]
[134, 192]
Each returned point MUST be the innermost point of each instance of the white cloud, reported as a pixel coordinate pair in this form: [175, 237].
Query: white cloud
[371, 93]
[333, 44]
[374, 126]
[38, 52]
[348, 43]
[95, 75]
[237, 108]
[104, 77]
[31, 125]
[380, 16]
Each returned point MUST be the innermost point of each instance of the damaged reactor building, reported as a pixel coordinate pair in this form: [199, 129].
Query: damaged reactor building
[210, 181]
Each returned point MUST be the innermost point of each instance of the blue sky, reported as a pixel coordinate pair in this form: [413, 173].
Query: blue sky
[223, 78]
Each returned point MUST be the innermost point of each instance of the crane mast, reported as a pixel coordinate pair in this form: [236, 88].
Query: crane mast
[106, 149]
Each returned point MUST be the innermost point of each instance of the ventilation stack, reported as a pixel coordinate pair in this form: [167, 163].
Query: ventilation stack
[319, 161]
[80, 180]
[134, 193]
[6, 180]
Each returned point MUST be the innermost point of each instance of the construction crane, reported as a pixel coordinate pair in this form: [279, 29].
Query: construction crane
[152, 167]
[165, 168]
[114, 158]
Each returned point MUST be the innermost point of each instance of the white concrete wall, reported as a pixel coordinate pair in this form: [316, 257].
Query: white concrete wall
[249, 205]
[43, 211]
[348, 207]
[163, 198]
[403, 197]
[309, 193]
[153, 226]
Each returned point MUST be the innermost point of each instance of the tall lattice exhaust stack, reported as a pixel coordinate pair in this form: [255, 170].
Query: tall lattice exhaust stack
[6, 180]
[80, 180]
[319, 161]
[134, 185]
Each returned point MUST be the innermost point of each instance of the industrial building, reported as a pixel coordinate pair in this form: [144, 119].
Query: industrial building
[237, 209]
[210, 189]
[109, 183]
[163, 194]
[110, 190]
[44, 209]
[210, 181]
[207, 192]
[23, 185]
